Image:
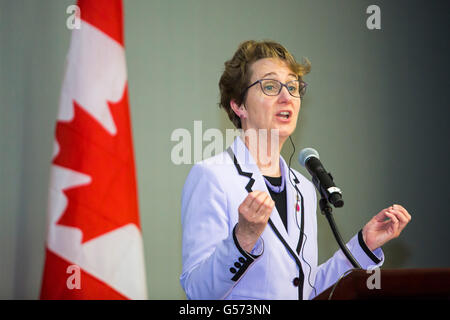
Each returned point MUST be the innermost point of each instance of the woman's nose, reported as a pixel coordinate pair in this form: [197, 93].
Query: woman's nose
[284, 95]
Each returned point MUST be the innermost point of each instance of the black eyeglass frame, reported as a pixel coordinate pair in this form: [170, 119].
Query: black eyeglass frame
[301, 95]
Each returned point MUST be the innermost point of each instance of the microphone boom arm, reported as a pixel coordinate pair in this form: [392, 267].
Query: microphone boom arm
[329, 193]
[326, 210]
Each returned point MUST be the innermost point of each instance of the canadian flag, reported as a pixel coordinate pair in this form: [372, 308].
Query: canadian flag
[94, 246]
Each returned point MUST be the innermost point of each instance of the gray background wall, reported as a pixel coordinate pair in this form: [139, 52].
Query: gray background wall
[376, 109]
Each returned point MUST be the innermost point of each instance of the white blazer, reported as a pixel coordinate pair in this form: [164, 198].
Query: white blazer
[283, 263]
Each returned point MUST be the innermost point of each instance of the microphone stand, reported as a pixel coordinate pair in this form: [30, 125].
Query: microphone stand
[326, 210]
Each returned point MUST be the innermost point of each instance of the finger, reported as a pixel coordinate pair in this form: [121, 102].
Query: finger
[250, 198]
[381, 216]
[266, 208]
[399, 208]
[401, 216]
[398, 214]
[403, 210]
[258, 202]
[392, 216]
[402, 221]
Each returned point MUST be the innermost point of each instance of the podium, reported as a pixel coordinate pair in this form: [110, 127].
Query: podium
[392, 283]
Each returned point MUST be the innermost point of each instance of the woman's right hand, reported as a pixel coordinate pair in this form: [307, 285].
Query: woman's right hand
[254, 213]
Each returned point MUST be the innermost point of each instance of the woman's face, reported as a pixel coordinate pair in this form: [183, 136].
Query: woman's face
[264, 112]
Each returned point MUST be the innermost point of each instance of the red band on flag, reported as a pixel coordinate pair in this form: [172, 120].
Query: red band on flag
[105, 15]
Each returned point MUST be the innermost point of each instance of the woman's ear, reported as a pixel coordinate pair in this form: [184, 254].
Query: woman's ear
[239, 110]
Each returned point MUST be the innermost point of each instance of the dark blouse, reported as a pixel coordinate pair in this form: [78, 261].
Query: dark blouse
[279, 198]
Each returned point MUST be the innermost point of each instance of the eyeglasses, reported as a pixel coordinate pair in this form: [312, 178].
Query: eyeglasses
[272, 87]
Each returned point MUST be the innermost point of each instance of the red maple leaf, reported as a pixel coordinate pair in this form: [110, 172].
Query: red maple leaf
[109, 201]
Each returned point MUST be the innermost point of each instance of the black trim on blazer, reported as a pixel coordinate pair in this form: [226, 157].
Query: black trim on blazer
[366, 249]
[245, 261]
[302, 222]
[297, 261]
[301, 276]
[249, 175]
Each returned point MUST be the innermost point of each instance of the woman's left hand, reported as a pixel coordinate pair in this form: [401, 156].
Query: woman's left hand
[385, 226]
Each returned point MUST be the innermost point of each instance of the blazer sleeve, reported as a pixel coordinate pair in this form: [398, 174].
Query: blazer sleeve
[213, 261]
[330, 271]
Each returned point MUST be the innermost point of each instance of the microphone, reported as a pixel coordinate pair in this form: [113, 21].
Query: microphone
[309, 158]
[323, 180]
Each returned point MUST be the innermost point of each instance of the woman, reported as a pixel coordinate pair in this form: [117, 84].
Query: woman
[249, 220]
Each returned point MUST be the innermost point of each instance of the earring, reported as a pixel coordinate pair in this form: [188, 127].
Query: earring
[241, 113]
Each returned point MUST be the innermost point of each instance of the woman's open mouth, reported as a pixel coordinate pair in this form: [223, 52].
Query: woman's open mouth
[284, 115]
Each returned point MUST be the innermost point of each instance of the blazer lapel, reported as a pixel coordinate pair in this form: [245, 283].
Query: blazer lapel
[293, 201]
[246, 166]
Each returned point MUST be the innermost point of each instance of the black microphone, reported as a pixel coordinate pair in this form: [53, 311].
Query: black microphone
[309, 158]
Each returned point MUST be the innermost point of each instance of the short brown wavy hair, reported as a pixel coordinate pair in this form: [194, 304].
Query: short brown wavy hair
[237, 73]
